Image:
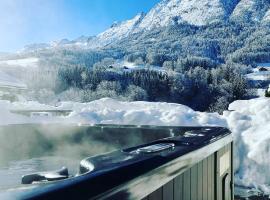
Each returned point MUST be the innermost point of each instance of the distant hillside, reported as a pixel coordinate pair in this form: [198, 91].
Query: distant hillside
[185, 49]
[173, 12]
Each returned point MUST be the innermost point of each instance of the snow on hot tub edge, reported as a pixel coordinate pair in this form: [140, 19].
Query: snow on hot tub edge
[250, 125]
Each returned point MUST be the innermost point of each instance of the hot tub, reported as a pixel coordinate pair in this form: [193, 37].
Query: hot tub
[115, 162]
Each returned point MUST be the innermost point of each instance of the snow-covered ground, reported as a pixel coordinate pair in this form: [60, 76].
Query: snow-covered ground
[25, 62]
[249, 122]
[129, 66]
[260, 92]
[258, 75]
[10, 82]
[109, 111]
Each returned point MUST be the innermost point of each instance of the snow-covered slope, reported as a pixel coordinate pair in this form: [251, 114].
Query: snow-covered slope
[120, 30]
[80, 42]
[266, 18]
[191, 11]
[168, 12]
[251, 10]
[165, 13]
[7, 81]
[23, 62]
[35, 47]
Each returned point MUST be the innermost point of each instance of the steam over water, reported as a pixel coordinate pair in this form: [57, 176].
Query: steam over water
[28, 149]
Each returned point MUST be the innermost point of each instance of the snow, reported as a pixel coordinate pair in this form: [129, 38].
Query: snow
[266, 18]
[165, 13]
[190, 11]
[249, 123]
[34, 47]
[129, 66]
[261, 92]
[119, 30]
[258, 75]
[252, 10]
[109, 111]
[8, 81]
[24, 62]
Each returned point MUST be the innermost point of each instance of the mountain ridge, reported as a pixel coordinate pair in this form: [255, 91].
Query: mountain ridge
[171, 12]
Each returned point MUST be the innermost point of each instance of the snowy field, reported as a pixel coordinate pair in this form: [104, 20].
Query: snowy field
[25, 62]
[9, 81]
[258, 75]
[129, 66]
[249, 122]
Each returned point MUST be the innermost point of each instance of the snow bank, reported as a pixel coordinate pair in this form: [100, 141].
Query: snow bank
[109, 111]
[250, 125]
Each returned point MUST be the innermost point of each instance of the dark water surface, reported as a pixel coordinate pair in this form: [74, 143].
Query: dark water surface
[26, 149]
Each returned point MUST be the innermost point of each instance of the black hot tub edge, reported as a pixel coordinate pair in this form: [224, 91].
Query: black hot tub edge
[137, 171]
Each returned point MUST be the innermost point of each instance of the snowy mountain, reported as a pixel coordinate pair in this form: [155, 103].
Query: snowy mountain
[166, 13]
[79, 42]
[251, 10]
[120, 30]
[171, 12]
[190, 11]
[82, 41]
[35, 47]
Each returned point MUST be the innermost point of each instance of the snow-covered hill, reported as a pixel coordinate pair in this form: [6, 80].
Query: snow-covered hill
[7, 81]
[251, 10]
[191, 11]
[266, 18]
[29, 62]
[168, 12]
[120, 30]
[81, 42]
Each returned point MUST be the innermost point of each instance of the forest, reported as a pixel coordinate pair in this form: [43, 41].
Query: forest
[201, 67]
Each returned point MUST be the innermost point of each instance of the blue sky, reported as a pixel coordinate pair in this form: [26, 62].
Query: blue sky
[33, 21]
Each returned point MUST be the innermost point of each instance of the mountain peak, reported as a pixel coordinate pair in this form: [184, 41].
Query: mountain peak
[119, 30]
[171, 12]
[191, 11]
[251, 10]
